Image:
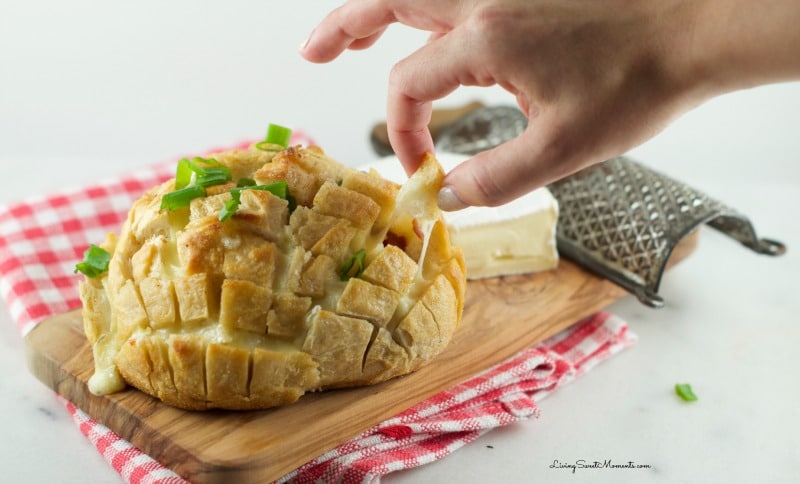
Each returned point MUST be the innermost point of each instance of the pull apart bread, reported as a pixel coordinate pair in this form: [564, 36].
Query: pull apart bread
[347, 280]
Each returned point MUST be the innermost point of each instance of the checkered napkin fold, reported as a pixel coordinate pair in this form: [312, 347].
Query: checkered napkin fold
[41, 240]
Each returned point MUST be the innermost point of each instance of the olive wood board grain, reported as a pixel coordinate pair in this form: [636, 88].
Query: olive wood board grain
[502, 316]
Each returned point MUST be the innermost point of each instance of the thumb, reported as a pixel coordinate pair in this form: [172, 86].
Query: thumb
[504, 173]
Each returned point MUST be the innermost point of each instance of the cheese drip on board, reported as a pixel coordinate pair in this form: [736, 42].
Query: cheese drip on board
[516, 238]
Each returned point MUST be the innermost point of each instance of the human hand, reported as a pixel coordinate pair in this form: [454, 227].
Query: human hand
[594, 78]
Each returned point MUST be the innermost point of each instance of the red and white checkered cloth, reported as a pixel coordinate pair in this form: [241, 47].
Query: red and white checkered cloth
[41, 240]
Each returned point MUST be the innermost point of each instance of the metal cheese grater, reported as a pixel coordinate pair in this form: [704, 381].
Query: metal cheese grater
[618, 219]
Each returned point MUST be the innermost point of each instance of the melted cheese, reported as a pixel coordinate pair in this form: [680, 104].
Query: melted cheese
[106, 378]
[417, 199]
[516, 238]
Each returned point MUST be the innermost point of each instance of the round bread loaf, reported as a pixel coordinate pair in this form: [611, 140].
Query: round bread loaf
[248, 298]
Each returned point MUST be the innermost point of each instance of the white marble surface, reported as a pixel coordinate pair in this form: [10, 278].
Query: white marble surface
[91, 88]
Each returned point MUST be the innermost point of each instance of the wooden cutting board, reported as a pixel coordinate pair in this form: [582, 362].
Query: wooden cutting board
[502, 316]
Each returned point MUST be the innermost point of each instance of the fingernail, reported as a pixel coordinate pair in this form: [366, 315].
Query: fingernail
[303, 45]
[449, 201]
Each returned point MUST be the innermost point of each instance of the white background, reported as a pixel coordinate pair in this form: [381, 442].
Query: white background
[95, 88]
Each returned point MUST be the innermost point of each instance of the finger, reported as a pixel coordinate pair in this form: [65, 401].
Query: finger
[360, 19]
[363, 19]
[507, 172]
[430, 73]
[409, 133]
[366, 42]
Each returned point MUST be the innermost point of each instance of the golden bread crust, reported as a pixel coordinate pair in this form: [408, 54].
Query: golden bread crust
[350, 280]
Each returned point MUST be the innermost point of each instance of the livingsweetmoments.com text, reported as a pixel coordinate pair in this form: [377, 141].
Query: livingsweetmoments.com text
[597, 464]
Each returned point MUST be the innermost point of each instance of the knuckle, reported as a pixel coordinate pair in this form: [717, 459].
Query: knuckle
[398, 75]
[494, 24]
[487, 20]
[488, 33]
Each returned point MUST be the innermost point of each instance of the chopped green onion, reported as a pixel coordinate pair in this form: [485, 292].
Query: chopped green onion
[208, 161]
[182, 198]
[354, 265]
[264, 146]
[231, 206]
[191, 180]
[189, 172]
[278, 138]
[245, 182]
[279, 135]
[214, 176]
[183, 173]
[95, 261]
[684, 390]
[279, 189]
[214, 173]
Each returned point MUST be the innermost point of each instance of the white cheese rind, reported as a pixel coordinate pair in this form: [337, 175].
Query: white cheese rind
[516, 238]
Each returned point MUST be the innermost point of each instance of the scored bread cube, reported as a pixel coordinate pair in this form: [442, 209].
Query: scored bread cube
[286, 319]
[308, 226]
[341, 202]
[149, 259]
[441, 300]
[438, 250]
[455, 272]
[253, 259]
[313, 160]
[303, 184]
[383, 191]
[322, 234]
[159, 301]
[419, 334]
[242, 163]
[308, 275]
[336, 243]
[147, 220]
[210, 206]
[227, 372]
[281, 377]
[96, 310]
[339, 358]
[297, 260]
[200, 247]
[385, 358]
[391, 268]
[196, 300]
[137, 366]
[360, 299]
[263, 213]
[275, 170]
[161, 369]
[430, 323]
[187, 355]
[119, 272]
[129, 310]
[244, 305]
